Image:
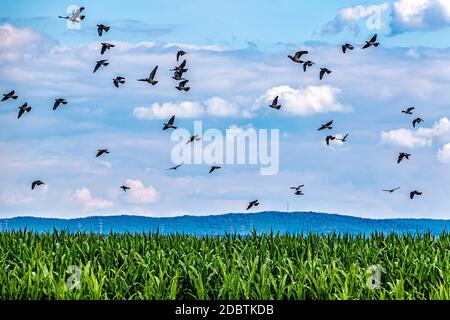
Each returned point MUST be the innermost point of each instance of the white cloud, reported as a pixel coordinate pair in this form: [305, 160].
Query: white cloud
[440, 129]
[443, 154]
[89, 203]
[222, 108]
[404, 138]
[185, 109]
[139, 194]
[10, 198]
[306, 101]
[22, 39]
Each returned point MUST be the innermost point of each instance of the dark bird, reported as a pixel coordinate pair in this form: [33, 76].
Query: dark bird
[323, 71]
[76, 15]
[176, 167]
[326, 126]
[299, 193]
[36, 183]
[307, 64]
[414, 193]
[22, 110]
[177, 75]
[101, 151]
[118, 80]
[181, 67]
[125, 188]
[101, 28]
[344, 139]
[9, 95]
[106, 46]
[214, 168]
[297, 56]
[371, 42]
[408, 110]
[182, 86]
[298, 188]
[180, 53]
[328, 138]
[252, 204]
[391, 190]
[275, 104]
[193, 138]
[151, 77]
[99, 64]
[169, 124]
[417, 121]
[58, 102]
[346, 47]
[402, 155]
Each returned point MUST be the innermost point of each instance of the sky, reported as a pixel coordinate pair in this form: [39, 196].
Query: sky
[237, 60]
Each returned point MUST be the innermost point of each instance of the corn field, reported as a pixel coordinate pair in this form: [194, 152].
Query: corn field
[153, 266]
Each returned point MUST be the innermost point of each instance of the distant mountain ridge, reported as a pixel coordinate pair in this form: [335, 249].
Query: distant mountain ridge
[262, 222]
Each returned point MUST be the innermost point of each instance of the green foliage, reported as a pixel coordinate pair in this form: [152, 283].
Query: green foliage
[152, 266]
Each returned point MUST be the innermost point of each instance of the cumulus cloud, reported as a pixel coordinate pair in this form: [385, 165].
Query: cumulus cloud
[443, 154]
[21, 39]
[219, 107]
[306, 101]
[404, 138]
[84, 197]
[440, 129]
[10, 198]
[139, 194]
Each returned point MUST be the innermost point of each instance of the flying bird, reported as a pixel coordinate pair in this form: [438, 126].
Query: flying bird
[169, 124]
[118, 80]
[297, 56]
[252, 204]
[193, 138]
[177, 75]
[214, 168]
[101, 151]
[101, 28]
[151, 77]
[36, 183]
[390, 190]
[306, 64]
[371, 42]
[181, 67]
[180, 53]
[297, 188]
[417, 121]
[344, 139]
[326, 126]
[9, 95]
[414, 193]
[299, 193]
[58, 102]
[125, 188]
[22, 110]
[106, 46]
[329, 138]
[324, 71]
[182, 86]
[99, 64]
[275, 104]
[408, 110]
[403, 155]
[346, 47]
[175, 167]
[76, 15]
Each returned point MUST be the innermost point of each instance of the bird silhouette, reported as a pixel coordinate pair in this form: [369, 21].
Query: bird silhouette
[118, 80]
[326, 126]
[36, 183]
[181, 67]
[417, 121]
[307, 64]
[324, 71]
[346, 47]
[298, 188]
[24, 108]
[408, 110]
[329, 138]
[193, 138]
[297, 56]
[100, 63]
[106, 46]
[371, 42]
[58, 102]
[414, 193]
[76, 15]
[275, 104]
[344, 139]
[182, 86]
[101, 28]
[151, 77]
[299, 193]
[213, 168]
[177, 75]
[169, 124]
[252, 204]
[101, 152]
[9, 95]
[175, 167]
[403, 155]
[391, 190]
[180, 53]
[125, 188]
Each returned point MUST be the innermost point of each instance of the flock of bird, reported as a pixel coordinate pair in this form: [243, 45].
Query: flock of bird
[178, 73]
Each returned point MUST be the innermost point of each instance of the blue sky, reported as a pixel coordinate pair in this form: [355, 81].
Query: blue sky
[237, 62]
